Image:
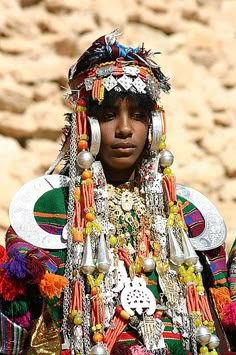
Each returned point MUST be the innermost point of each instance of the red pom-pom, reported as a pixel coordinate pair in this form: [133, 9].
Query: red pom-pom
[3, 255]
[229, 317]
[10, 288]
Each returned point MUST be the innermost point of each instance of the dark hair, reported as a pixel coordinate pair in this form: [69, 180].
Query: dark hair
[110, 98]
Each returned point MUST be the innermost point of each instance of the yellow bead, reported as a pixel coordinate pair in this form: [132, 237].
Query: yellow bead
[84, 137]
[73, 313]
[167, 171]
[187, 279]
[78, 320]
[174, 209]
[169, 223]
[200, 289]
[198, 322]
[203, 349]
[180, 224]
[98, 326]
[171, 203]
[213, 352]
[171, 216]
[93, 329]
[205, 322]
[112, 240]
[191, 269]
[162, 145]
[124, 315]
[138, 268]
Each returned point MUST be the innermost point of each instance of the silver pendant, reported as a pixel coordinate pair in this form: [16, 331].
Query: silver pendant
[151, 331]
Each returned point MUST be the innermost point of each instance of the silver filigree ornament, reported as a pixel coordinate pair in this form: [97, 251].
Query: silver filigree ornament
[109, 82]
[125, 81]
[214, 233]
[22, 207]
[139, 85]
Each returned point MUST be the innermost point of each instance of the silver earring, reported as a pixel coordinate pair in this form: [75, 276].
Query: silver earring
[95, 136]
[155, 131]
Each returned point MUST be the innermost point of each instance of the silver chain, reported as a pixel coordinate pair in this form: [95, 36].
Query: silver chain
[70, 212]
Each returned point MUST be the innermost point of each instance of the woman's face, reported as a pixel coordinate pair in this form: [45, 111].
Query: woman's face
[124, 129]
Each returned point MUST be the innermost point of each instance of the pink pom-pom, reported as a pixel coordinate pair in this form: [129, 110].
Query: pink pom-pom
[24, 320]
[136, 349]
[229, 317]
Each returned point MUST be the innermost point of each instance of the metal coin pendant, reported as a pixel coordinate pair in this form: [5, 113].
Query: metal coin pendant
[127, 201]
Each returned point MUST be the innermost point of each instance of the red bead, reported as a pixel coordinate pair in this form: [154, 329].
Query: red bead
[81, 102]
[83, 144]
[118, 310]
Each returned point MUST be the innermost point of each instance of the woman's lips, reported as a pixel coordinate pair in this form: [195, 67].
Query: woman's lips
[123, 148]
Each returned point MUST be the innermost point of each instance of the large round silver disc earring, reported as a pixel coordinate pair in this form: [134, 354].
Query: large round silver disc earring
[95, 136]
[155, 130]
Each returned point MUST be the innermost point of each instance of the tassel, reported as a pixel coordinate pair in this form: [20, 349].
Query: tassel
[136, 349]
[35, 270]
[24, 320]
[52, 285]
[16, 267]
[229, 316]
[3, 255]
[10, 288]
[15, 308]
[222, 298]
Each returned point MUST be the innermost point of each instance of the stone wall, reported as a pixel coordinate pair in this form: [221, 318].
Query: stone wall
[40, 39]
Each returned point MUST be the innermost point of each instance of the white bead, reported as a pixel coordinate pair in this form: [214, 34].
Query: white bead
[214, 342]
[198, 267]
[84, 159]
[203, 335]
[166, 158]
[148, 264]
[98, 349]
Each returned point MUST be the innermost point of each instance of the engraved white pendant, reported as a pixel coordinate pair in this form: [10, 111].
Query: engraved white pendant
[137, 297]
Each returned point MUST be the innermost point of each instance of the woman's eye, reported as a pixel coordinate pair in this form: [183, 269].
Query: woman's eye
[108, 116]
[139, 116]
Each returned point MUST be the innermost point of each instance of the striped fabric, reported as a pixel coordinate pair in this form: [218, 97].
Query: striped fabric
[12, 337]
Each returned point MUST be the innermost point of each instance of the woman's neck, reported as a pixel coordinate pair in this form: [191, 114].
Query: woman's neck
[116, 177]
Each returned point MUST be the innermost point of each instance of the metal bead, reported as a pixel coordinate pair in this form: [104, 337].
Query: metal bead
[214, 342]
[203, 335]
[84, 159]
[98, 349]
[112, 229]
[166, 158]
[148, 264]
[134, 321]
[198, 267]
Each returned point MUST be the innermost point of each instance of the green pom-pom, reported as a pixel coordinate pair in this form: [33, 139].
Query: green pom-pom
[15, 308]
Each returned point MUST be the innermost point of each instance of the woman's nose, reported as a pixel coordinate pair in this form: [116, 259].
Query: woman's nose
[124, 127]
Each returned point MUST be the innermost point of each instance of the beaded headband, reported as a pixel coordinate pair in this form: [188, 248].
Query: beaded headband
[120, 76]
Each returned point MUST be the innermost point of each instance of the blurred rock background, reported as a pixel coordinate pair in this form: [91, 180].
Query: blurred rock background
[40, 39]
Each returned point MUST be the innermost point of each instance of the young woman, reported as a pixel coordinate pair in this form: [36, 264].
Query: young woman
[139, 259]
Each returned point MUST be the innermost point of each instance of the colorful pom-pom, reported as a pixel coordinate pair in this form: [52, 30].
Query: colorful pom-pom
[10, 288]
[3, 255]
[24, 320]
[35, 270]
[16, 267]
[229, 317]
[52, 285]
[15, 308]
